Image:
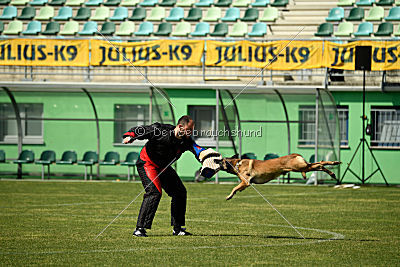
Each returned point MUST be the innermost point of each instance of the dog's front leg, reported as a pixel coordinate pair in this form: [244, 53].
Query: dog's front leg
[239, 187]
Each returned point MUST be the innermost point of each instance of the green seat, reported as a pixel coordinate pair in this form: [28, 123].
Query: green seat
[344, 29]
[148, 3]
[280, 3]
[364, 29]
[385, 2]
[202, 29]
[185, 3]
[74, 2]
[68, 158]
[176, 14]
[120, 14]
[213, 14]
[94, 3]
[112, 3]
[241, 3]
[26, 157]
[70, 28]
[239, 29]
[45, 13]
[126, 28]
[346, 2]
[220, 30]
[28, 13]
[1, 27]
[270, 156]
[249, 155]
[223, 3]
[260, 3]
[157, 14]
[164, 29]
[194, 14]
[38, 2]
[397, 3]
[397, 33]
[64, 13]
[46, 158]
[89, 28]
[356, 14]
[129, 3]
[324, 30]
[270, 14]
[335, 14]
[9, 13]
[145, 29]
[90, 158]
[182, 29]
[384, 29]
[130, 161]
[19, 2]
[2, 153]
[5, 2]
[33, 28]
[108, 28]
[111, 158]
[258, 30]
[101, 14]
[138, 14]
[365, 2]
[57, 2]
[82, 14]
[14, 28]
[250, 14]
[394, 14]
[167, 3]
[232, 14]
[204, 3]
[375, 14]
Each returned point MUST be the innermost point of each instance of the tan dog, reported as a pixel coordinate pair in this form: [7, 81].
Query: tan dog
[263, 171]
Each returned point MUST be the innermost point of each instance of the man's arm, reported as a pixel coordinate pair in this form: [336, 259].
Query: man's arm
[140, 133]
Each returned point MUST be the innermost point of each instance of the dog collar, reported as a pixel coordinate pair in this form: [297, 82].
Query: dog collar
[237, 164]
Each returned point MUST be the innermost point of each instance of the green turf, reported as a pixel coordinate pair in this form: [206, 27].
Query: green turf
[56, 223]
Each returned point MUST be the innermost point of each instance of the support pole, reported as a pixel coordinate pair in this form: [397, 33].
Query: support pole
[316, 131]
[216, 125]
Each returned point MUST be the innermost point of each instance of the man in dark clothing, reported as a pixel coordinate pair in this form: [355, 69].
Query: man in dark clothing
[165, 145]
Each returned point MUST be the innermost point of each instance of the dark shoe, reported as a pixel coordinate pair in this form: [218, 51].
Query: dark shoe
[140, 232]
[182, 231]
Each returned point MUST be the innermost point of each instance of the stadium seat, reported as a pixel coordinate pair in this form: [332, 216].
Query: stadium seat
[384, 29]
[145, 29]
[220, 30]
[70, 28]
[213, 14]
[194, 14]
[365, 2]
[182, 29]
[232, 14]
[68, 158]
[375, 14]
[74, 2]
[324, 30]
[26, 157]
[345, 29]
[258, 30]
[120, 14]
[111, 158]
[249, 155]
[169, 3]
[346, 2]
[185, 3]
[239, 29]
[46, 158]
[108, 28]
[250, 14]
[1, 27]
[28, 13]
[204, 3]
[9, 13]
[82, 14]
[271, 156]
[176, 14]
[126, 28]
[130, 161]
[38, 2]
[94, 3]
[2, 153]
[33, 28]
[260, 3]
[138, 14]
[280, 3]
[5, 2]
[397, 3]
[335, 14]
[148, 3]
[19, 2]
[397, 33]
[101, 14]
[112, 2]
[241, 3]
[129, 3]
[14, 28]
[385, 2]
[57, 2]
[164, 29]
[202, 29]
[64, 13]
[364, 29]
[90, 158]
[157, 14]
[223, 3]
[89, 28]
[394, 14]
[45, 13]
[270, 14]
[356, 14]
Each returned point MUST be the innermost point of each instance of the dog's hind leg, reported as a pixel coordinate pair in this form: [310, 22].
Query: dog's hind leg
[239, 187]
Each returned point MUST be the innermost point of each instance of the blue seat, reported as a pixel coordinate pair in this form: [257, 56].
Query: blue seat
[64, 13]
[260, 3]
[176, 14]
[258, 30]
[364, 29]
[394, 14]
[202, 29]
[204, 3]
[365, 2]
[120, 14]
[33, 28]
[335, 14]
[232, 14]
[94, 3]
[9, 13]
[90, 28]
[38, 2]
[145, 29]
[148, 3]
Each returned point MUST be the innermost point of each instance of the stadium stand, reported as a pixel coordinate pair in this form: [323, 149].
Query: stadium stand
[195, 14]
[126, 28]
[28, 13]
[70, 28]
[384, 29]
[120, 14]
[64, 14]
[364, 29]
[239, 29]
[258, 30]
[345, 29]
[52, 28]
[33, 28]
[232, 14]
[202, 30]
[356, 14]
[164, 29]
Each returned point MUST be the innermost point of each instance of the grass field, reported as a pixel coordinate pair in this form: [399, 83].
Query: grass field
[56, 223]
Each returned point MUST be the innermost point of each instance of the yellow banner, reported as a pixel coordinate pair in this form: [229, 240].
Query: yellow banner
[151, 53]
[385, 55]
[43, 52]
[289, 55]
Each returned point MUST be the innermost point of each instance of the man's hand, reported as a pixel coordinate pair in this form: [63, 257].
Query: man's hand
[127, 140]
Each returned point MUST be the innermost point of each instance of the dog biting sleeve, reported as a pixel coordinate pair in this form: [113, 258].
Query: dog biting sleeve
[196, 150]
[210, 162]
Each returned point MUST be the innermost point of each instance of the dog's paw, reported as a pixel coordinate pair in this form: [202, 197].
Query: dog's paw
[229, 197]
